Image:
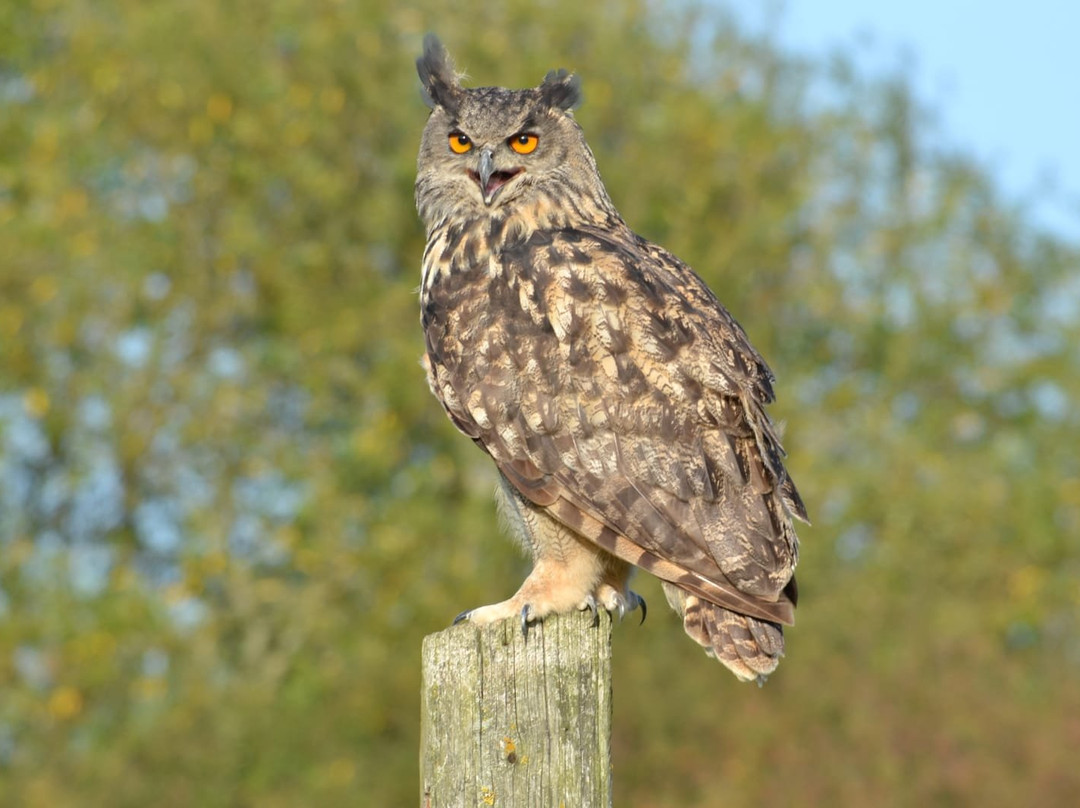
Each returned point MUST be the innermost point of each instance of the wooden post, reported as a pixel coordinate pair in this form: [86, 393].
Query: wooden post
[510, 721]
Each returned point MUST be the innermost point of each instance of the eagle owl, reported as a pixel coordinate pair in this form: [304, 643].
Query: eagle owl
[622, 404]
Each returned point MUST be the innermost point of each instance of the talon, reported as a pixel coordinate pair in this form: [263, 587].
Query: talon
[590, 604]
[461, 618]
[525, 622]
[644, 608]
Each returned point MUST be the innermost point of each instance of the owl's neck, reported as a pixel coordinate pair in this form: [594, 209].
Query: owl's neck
[539, 211]
[476, 244]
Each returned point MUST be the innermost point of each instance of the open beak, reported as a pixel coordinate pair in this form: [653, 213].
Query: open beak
[490, 180]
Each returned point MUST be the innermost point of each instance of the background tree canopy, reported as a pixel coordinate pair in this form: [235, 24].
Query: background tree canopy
[230, 509]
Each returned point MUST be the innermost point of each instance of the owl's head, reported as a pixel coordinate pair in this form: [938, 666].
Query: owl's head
[489, 149]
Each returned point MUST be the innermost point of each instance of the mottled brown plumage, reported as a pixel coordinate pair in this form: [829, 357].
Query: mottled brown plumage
[622, 404]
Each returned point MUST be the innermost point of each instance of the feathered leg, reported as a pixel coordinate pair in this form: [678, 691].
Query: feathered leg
[569, 572]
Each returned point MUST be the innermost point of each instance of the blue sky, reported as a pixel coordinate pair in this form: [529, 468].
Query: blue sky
[1002, 77]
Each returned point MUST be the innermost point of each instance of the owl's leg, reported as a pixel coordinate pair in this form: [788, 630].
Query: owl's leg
[569, 572]
[565, 573]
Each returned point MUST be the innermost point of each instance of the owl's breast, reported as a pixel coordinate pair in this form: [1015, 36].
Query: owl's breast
[491, 347]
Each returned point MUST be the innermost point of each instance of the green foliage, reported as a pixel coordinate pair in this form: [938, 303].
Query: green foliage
[229, 508]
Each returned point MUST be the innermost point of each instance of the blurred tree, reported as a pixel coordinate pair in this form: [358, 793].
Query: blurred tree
[229, 508]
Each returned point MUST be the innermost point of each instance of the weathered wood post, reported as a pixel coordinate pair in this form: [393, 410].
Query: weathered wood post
[510, 721]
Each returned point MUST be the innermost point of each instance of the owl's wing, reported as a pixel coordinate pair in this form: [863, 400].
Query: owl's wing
[612, 388]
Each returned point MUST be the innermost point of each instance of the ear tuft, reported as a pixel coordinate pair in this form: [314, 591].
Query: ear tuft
[561, 89]
[436, 70]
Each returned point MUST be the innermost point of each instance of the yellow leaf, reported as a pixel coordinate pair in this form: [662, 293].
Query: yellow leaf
[215, 563]
[84, 244]
[36, 402]
[300, 96]
[46, 143]
[1026, 583]
[219, 108]
[65, 703]
[149, 688]
[73, 202]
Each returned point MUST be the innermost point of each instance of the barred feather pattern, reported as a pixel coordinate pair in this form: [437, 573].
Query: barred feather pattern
[616, 395]
[612, 388]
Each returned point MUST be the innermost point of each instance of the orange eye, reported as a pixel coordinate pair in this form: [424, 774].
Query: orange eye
[460, 143]
[524, 143]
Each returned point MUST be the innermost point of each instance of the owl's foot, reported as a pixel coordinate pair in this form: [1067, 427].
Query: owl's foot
[526, 610]
[606, 597]
[553, 587]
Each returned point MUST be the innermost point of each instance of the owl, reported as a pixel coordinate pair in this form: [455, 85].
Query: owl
[623, 406]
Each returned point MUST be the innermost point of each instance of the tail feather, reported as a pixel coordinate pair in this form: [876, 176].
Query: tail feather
[750, 648]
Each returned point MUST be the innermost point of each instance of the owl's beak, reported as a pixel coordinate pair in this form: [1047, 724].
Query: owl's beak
[485, 170]
[490, 180]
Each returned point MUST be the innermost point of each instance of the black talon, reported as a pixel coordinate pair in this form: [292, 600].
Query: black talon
[462, 617]
[620, 607]
[525, 622]
[644, 608]
[591, 603]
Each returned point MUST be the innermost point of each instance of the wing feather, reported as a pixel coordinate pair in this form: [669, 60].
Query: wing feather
[612, 388]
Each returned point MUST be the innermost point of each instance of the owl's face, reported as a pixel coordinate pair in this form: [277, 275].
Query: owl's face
[488, 149]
